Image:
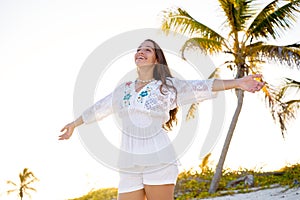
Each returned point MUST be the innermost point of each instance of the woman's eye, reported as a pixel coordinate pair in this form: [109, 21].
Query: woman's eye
[146, 49]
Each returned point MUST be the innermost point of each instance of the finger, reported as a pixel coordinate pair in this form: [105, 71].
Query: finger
[63, 137]
[261, 86]
[62, 130]
[256, 76]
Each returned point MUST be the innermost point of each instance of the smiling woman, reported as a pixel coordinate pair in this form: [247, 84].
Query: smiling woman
[43, 46]
[147, 107]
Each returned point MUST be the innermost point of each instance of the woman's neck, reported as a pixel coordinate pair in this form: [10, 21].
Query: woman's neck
[145, 74]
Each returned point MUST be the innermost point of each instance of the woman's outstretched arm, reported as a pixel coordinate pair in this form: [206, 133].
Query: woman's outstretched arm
[247, 83]
[98, 111]
[68, 129]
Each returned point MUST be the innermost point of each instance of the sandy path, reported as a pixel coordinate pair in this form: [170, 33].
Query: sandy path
[265, 194]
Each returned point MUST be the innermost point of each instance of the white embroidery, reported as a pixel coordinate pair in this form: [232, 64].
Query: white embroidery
[143, 113]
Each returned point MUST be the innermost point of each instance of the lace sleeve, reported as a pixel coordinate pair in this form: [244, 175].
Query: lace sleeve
[103, 107]
[193, 91]
[99, 110]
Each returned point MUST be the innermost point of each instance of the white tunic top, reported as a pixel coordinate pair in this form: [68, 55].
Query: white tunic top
[142, 114]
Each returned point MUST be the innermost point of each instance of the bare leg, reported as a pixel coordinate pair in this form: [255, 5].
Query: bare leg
[155, 192]
[135, 195]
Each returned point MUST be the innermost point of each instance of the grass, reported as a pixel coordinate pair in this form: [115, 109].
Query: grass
[194, 184]
[101, 194]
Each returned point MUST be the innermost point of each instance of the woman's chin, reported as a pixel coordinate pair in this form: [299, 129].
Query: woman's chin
[139, 64]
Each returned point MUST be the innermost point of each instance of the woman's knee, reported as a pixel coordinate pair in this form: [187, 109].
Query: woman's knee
[154, 192]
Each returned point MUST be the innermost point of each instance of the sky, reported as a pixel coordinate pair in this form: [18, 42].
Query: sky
[43, 47]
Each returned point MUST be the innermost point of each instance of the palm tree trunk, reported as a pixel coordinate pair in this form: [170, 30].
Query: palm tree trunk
[218, 173]
[21, 192]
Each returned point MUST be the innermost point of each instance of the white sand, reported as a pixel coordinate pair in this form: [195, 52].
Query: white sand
[265, 194]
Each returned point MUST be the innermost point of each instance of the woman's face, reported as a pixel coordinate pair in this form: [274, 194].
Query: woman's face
[145, 54]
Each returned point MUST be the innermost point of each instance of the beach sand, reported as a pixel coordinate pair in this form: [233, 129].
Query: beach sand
[265, 194]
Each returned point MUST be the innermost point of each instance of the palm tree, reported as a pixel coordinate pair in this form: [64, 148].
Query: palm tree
[26, 178]
[248, 29]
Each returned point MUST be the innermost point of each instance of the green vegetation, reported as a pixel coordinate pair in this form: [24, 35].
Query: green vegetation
[194, 183]
[101, 194]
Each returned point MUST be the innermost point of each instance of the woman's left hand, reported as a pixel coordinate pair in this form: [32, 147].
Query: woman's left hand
[67, 131]
[250, 84]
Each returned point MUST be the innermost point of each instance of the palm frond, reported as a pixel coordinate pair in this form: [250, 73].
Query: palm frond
[264, 13]
[286, 55]
[268, 95]
[253, 45]
[282, 110]
[204, 164]
[289, 87]
[273, 19]
[28, 194]
[237, 13]
[180, 21]
[30, 188]
[33, 179]
[11, 183]
[286, 113]
[11, 191]
[191, 111]
[207, 46]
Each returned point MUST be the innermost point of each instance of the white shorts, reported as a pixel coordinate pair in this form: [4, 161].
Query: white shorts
[159, 175]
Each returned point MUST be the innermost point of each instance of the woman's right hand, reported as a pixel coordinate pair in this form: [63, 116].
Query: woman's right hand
[67, 131]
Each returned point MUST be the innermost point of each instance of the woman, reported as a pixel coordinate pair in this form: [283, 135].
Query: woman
[148, 107]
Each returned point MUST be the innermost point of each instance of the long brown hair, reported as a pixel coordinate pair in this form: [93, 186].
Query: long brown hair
[161, 72]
